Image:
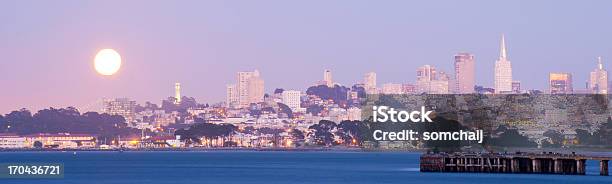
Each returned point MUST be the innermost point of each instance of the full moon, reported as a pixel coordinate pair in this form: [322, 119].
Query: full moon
[107, 62]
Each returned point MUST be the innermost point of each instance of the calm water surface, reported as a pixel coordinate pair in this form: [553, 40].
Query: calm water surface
[263, 167]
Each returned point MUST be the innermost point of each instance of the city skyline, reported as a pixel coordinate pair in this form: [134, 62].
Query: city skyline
[42, 72]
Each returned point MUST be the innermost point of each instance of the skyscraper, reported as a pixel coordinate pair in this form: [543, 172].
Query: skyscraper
[426, 72]
[369, 82]
[503, 71]
[464, 73]
[256, 89]
[598, 81]
[431, 81]
[327, 78]
[250, 88]
[177, 93]
[560, 83]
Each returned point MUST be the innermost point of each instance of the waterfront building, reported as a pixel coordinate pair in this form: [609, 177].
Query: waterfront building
[503, 70]
[121, 106]
[12, 141]
[61, 140]
[598, 80]
[464, 73]
[560, 83]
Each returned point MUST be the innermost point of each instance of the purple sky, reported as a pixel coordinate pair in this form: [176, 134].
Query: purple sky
[47, 47]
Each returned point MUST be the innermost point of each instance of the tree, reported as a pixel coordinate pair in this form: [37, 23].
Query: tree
[3, 124]
[285, 109]
[353, 130]
[556, 138]
[297, 134]
[314, 109]
[336, 93]
[38, 144]
[323, 132]
[586, 138]
[67, 120]
[207, 130]
[361, 92]
[271, 131]
[512, 138]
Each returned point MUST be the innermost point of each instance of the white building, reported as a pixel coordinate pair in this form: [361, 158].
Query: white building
[392, 88]
[12, 141]
[177, 93]
[121, 106]
[431, 81]
[250, 88]
[231, 98]
[369, 83]
[503, 71]
[438, 87]
[598, 82]
[354, 114]
[327, 78]
[291, 98]
[62, 140]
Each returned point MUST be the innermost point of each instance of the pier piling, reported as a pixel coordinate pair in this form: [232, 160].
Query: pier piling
[603, 167]
[544, 163]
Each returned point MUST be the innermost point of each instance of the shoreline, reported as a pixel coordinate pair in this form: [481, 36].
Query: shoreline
[308, 149]
[208, 149]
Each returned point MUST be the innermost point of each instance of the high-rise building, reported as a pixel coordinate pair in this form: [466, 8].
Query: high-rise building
[256, 89]
[250, 88]
[440, 84]
[503, 70]
[426, 73]
[177, 93]
[464, 73]
[560, 83]
[431, 81]
[120, 106]
[291, 98]
[327, 78]
[598, 81]
[369, 82]
[232, 96]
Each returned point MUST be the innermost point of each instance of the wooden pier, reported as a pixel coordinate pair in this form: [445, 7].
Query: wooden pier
[542, 163]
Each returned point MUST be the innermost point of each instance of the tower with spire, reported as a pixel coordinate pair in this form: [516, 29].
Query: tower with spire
[503, 70]
[598, 81]
[177, 93]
